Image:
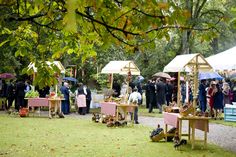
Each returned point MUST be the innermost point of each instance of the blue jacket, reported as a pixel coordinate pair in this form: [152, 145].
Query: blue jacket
[65, 91]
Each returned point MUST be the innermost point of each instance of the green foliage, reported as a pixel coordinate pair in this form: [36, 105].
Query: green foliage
[32, 94]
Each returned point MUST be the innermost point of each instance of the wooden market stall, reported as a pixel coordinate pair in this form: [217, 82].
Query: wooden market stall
[54, 101]
[123, 68]
[192, 63]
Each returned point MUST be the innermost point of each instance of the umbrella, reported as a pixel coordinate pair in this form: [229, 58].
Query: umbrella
[70, 79]
[162, 74]
[7, 76]
[209, 75]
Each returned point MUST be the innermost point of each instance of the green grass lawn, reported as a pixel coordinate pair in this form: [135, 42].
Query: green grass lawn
[40, 136]
[233, 124]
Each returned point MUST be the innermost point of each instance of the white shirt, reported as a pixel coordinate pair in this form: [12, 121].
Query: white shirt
[134, 97]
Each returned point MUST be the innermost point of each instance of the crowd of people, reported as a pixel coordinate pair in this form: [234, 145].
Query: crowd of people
[212, 95]
[14, 92]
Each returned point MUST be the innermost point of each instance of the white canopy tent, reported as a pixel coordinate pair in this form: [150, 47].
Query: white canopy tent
[188, 63]
[121, 67]
[224, 60]
[57, 63]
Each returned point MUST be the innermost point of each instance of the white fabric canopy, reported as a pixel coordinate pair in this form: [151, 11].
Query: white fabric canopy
[57, 63]
[185, 63]
[121, 67]
[225, 60]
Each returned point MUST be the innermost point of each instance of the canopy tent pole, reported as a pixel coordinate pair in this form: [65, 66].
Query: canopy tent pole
[195, 86]
[178, 90]
[111, 80]
[129, 77]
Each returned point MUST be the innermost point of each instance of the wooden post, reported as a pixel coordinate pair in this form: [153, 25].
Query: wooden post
[195, 86]
[178, 90]
[111, 80]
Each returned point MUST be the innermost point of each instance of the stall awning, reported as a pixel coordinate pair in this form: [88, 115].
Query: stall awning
[224, 60]
[57, 63]
[121, 67]
[185, 63]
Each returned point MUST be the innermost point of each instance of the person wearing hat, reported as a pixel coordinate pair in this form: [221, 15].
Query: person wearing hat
[210, 94]
[134, 98]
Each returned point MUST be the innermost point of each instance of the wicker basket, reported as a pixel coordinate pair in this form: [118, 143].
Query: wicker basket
[187, 111]
[158, 137]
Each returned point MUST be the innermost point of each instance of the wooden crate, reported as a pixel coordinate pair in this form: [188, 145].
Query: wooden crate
[230, 114]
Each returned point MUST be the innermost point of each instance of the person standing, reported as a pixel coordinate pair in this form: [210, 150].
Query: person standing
[135, 98]
[65, 104]
[116, 87]
[160, 94]
[183, 92]
[210, 93]
[147, 93]
[226, 92]
[202, 96]
[81, 99]
[10, 94]
[87, 92]
[169, 92]
[218, 101]
[152, 98]
[20, 95]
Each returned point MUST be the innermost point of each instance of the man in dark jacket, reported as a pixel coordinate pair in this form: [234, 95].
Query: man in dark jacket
[160, 94]
[169, 92]
[88, 98]
[152, 95]
[65, 105]
[20, 95]
[10, 94]
[202, 95]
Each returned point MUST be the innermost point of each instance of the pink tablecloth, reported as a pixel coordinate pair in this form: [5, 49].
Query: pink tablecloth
[173, 120]
[108, 108]
[36, 102]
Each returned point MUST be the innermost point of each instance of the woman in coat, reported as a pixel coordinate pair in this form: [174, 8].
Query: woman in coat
[218, 102]
[81, 99]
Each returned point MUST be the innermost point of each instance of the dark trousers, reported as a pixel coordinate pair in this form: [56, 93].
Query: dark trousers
[147, 100]
[82, 110]
[20, 102]
[10, 101]
[168, 99]
[203, 106]
[87, 106]
[135, 114]
[65, 106]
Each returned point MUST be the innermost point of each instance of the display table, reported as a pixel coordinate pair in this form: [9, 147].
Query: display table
[112, 108]
[108, 108]
[194, 122]
[126, 108]
[45, 102]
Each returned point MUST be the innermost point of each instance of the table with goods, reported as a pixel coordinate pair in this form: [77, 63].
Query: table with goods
[175, 119]
[53, 102]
